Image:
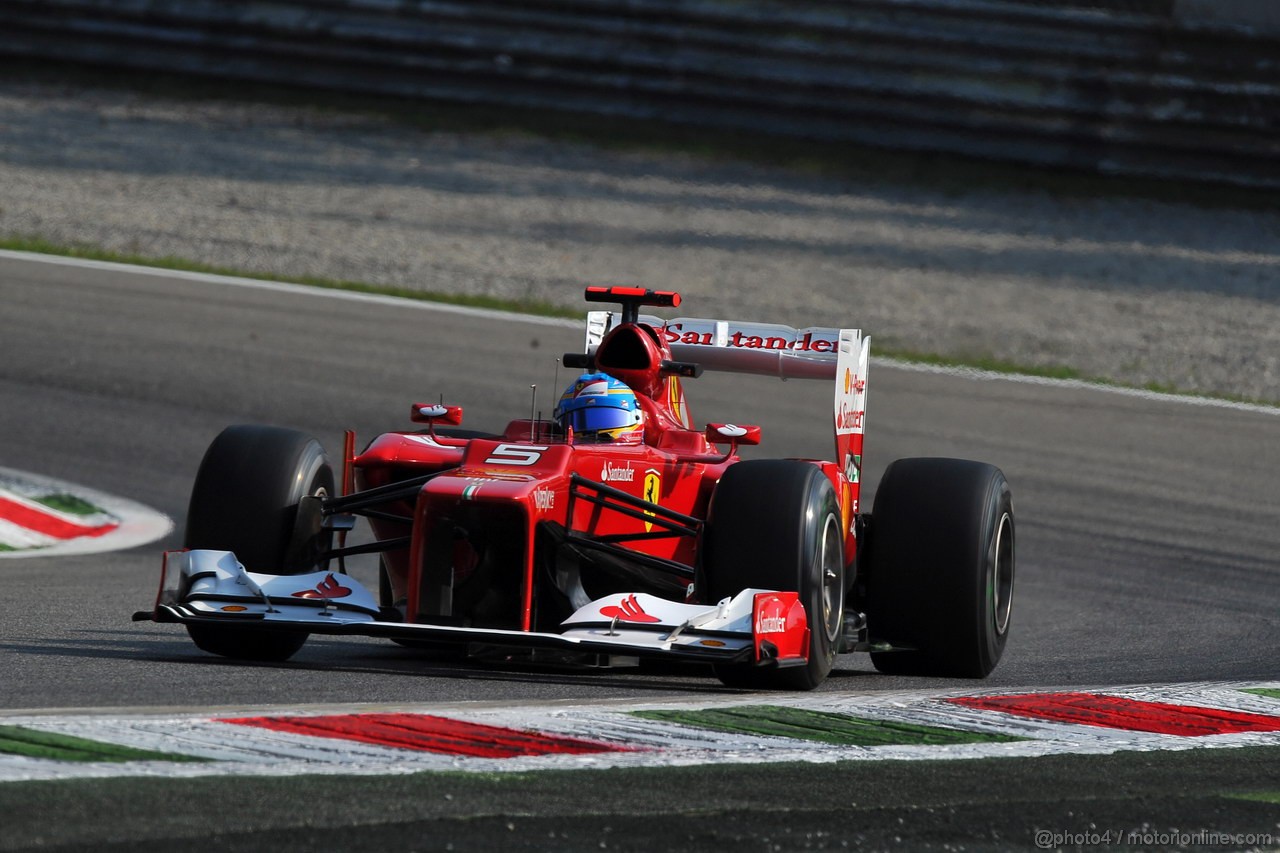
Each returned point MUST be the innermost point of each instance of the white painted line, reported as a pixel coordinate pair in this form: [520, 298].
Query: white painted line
[512, 316]
[1022, 379]
[398, 302]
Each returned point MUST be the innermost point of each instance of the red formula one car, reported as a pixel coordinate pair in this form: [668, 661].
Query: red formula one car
[616, 531]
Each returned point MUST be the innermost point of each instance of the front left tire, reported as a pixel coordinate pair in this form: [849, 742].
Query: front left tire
[776, 524]
[246, 500]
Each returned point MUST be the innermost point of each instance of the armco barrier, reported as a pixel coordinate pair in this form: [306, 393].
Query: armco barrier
[1141, 87]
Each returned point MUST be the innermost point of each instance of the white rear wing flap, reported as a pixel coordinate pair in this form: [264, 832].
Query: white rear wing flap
[764, 349]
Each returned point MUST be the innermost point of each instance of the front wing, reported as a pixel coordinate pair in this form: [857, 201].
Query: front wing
[755, 626]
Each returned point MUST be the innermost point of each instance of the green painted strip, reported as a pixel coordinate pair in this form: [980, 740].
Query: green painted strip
[71, 504]
[1269, 692]
[821, 726]
[16, 740]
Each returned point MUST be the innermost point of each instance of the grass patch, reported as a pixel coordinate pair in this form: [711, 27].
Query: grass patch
[1257, 796]
[1269, 692]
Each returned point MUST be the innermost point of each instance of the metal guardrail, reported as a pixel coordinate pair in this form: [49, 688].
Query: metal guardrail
[1113, 86]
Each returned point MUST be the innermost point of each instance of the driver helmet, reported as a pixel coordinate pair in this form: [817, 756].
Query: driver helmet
[598, 406]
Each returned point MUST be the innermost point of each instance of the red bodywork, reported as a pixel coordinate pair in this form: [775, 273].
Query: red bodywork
[481, 538]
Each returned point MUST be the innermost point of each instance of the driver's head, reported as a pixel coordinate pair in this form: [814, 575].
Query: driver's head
[598, 406]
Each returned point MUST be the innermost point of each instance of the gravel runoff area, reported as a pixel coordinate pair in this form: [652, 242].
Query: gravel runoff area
[1131, 289]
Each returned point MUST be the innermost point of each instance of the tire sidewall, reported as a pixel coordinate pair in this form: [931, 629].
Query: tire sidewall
[997, 524]
[314, 479]
[824, 629]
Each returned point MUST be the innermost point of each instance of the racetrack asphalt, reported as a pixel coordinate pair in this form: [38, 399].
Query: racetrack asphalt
[1197, 800]
[1146, 542]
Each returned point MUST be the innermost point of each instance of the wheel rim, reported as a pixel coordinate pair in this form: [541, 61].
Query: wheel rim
[1002, 575]
[832, 566]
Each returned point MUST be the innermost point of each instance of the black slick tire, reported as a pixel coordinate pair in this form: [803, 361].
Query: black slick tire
[940, 567]
[246, 500]
[776, 524]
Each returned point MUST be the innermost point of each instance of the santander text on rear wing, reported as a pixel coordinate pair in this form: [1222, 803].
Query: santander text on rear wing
[767, 349]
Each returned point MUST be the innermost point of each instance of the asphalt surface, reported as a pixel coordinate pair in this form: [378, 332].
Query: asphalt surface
[1146, 527]
[1204, 800]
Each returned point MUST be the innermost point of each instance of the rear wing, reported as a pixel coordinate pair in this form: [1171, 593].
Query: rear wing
[771, 349]
[764, 349]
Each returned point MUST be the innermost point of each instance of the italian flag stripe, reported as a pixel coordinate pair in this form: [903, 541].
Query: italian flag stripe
[17, 740]
[427, 733]
[1114, 712]
[32, 516]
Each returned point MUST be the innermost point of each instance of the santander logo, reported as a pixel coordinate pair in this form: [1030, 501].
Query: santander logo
[849, 418]
[771, 624]
[617, 474]
[771, 618]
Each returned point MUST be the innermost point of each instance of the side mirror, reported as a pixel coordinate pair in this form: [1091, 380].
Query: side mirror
[687, 369]
[732, 434]
[433, 413]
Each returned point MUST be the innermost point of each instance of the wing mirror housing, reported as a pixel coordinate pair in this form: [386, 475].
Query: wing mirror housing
[733, 434]
[434, 413]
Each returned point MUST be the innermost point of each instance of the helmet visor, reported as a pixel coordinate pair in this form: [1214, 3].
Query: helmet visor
[595, 419]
